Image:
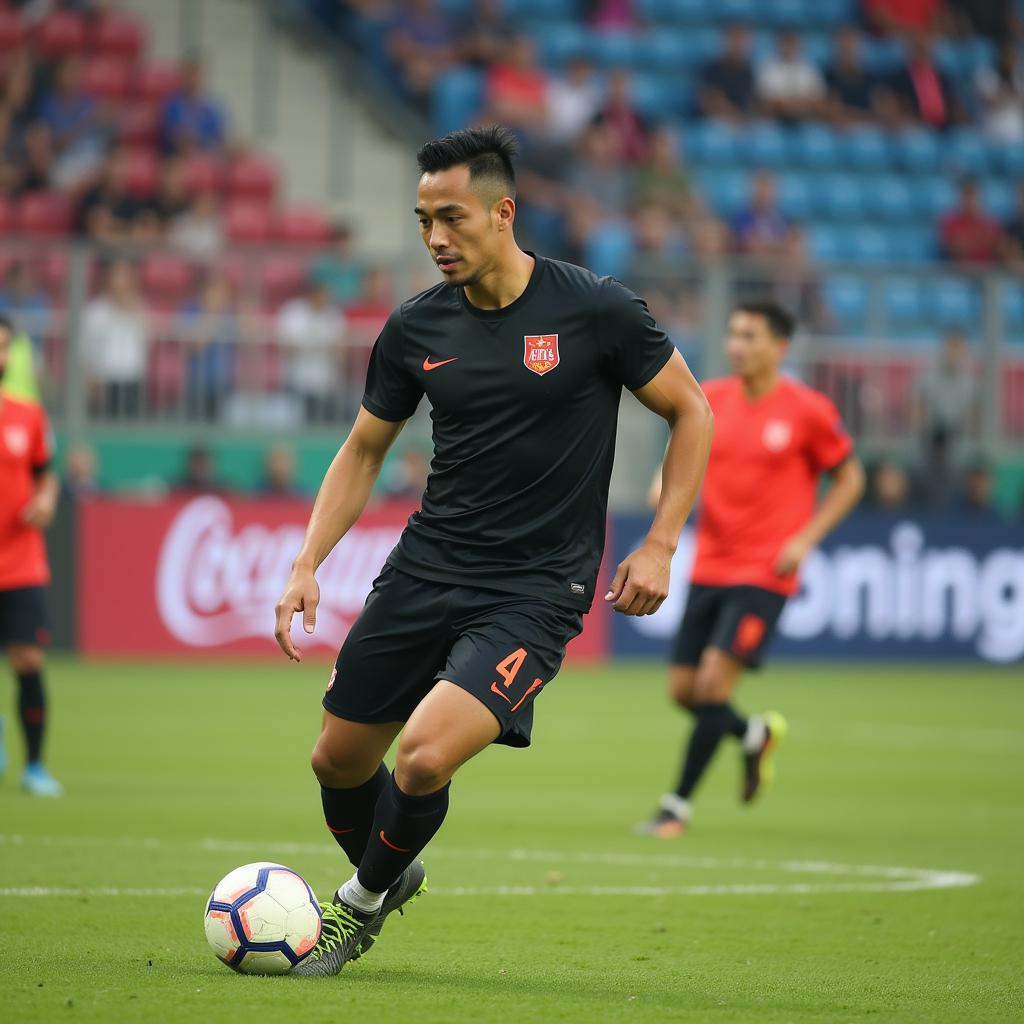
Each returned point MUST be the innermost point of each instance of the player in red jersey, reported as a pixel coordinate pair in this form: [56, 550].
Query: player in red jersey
[28, 499]
[759, 518]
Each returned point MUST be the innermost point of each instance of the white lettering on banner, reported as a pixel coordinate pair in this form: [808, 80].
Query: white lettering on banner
[215, 586]
[903, 591]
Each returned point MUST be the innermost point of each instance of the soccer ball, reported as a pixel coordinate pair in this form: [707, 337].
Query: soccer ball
[262, 919]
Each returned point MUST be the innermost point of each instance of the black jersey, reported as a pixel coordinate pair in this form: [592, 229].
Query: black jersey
[524, 402]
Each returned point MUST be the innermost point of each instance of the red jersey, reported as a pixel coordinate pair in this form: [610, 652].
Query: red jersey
[761, 485]
[24, 449]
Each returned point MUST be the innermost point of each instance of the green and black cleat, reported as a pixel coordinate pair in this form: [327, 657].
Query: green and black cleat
[411, 884]
[343, 929]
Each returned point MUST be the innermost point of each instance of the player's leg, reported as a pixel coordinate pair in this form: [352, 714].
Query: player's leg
[27, 664]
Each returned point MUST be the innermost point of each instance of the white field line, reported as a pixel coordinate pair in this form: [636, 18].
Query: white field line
[864, 878]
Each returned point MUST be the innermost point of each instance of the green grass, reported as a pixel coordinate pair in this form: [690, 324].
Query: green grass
[178, 772]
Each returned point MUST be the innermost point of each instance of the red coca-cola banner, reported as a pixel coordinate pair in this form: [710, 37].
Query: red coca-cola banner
[202, 576]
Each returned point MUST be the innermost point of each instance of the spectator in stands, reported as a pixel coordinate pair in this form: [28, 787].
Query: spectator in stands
[789, 86]
[662, 179]
[337, 270]
[1013, 245]
[923, 94]
[573, 100]
[967, 233]
[199, 231]
[79, 481]
[172, 199]
[23, 302]
[17, 101]
[517, 89]
[727, 83]
[596, 185]
[485, 33]
[115, 342]
[38, 167]
[200, 473]
[974, 500]
[279, 474]
[948, 413]
[760, 230]
[210, 333]
[896, 17]
[311, 329]
[610, 14]
[1000, 90]
[191, 120]
[851, 87]
[365, 319]
[629, 129]
[422, 42]
[78, 132]
[795, 284]
[109, 212]
[889, 490]
[991, 18]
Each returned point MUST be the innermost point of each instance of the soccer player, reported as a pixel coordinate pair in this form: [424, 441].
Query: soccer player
[28, 500]
[774, 440]
[523, 360]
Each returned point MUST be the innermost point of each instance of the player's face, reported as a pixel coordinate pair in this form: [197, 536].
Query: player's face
[459, 229]
[751, 347]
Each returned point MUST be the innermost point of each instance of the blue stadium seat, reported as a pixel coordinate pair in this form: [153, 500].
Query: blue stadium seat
[785, 13]
[814, 147]
[964, 152]
[562, 42]
[883, 56]
[797, 196]
[918, 150]
[935, 196]
[546, 9]
[846, 296]
[890, 198]
[457, 99]
[902, 301]
[737, 10]
[953, 302]
[675, 49]
[841, 197]
[824, 243]
[1013, 309]
[711, 142]
[999, 198]
[692, 12]
[913, 244]
[609, 249]
[866, 149]
[830, 14]
[763, 145]
[867, 244]
[612, 48]
[726, 191]
[1007, 158]
[659, 97]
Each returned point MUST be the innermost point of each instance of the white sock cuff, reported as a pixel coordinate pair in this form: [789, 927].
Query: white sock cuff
[756, 734]
[676, 805]
[357, 895]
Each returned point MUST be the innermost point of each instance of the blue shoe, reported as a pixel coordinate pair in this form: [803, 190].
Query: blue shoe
[37, 781]
[3, 749]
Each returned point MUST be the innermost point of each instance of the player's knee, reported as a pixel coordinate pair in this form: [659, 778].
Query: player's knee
[422, 767]
[710, 687]
[25, 658]
[681, 687]
[335, 770]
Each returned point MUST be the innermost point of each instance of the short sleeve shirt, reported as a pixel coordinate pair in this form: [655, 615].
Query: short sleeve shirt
[524, 404]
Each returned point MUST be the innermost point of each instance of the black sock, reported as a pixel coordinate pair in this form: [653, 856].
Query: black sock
[713, 722]
[349, 812]
[402, 826]
[32, 711]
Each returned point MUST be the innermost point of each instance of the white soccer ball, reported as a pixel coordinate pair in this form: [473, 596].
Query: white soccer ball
[262, 919]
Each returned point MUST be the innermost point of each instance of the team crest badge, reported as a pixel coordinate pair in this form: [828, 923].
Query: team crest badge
[16, 440]
[540, 353]
[776, 435]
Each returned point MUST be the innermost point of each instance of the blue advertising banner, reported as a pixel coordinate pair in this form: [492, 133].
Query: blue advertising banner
[877, 588]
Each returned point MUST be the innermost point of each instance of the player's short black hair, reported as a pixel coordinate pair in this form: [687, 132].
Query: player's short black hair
[487, 151]
[781, 322]
[7, 324]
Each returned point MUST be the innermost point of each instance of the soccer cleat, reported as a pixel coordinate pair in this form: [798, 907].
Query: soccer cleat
[3, 749]
[411, 884]
[671, 820]
[37, 781]
[342, 929]
[759, 765]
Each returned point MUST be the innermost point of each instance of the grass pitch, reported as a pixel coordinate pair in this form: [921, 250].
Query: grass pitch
[879, 880]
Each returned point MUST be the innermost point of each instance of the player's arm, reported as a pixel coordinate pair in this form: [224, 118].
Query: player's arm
[342, 497]
[845, 489]
[42, 506]
[640, 584]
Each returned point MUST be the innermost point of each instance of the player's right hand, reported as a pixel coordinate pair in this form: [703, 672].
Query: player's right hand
[302, 594]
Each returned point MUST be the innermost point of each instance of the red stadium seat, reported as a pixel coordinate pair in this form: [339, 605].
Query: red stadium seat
[6, 217]
[234, 270]
[118, 35]
[107, 78]
[203, 173]
[249, 222]
[52, 274]
[143, 171]
[252, 177]
[44, 213]
[13, 31]
[140, 124]
[281, 278]
[167, 279]
[156, 82]
[60, 35]
[303, 225]
[166, 374]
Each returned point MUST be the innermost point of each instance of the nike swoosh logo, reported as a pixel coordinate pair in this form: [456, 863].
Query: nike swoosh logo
[428, 365]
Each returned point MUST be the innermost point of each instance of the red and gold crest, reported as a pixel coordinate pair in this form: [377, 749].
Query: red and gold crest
[540, 353]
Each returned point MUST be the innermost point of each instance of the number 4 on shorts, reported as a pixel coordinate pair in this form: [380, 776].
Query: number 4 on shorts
[508, 668]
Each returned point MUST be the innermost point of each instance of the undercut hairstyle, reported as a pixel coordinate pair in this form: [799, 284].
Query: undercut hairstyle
[781, 323]
[488, 152]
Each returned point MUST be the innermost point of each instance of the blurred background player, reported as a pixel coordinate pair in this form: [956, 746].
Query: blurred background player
[774, 439]
[28, 500]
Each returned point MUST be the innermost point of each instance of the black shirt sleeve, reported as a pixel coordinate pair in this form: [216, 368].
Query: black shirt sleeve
[392, 392]
[635, 347]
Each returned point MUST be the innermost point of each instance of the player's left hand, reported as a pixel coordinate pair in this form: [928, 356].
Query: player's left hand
[39, 511]
[791, 556]
[640, 583]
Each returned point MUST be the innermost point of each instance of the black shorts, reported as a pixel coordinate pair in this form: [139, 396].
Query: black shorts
[23, 617]
[501, 648]
[738, 620]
